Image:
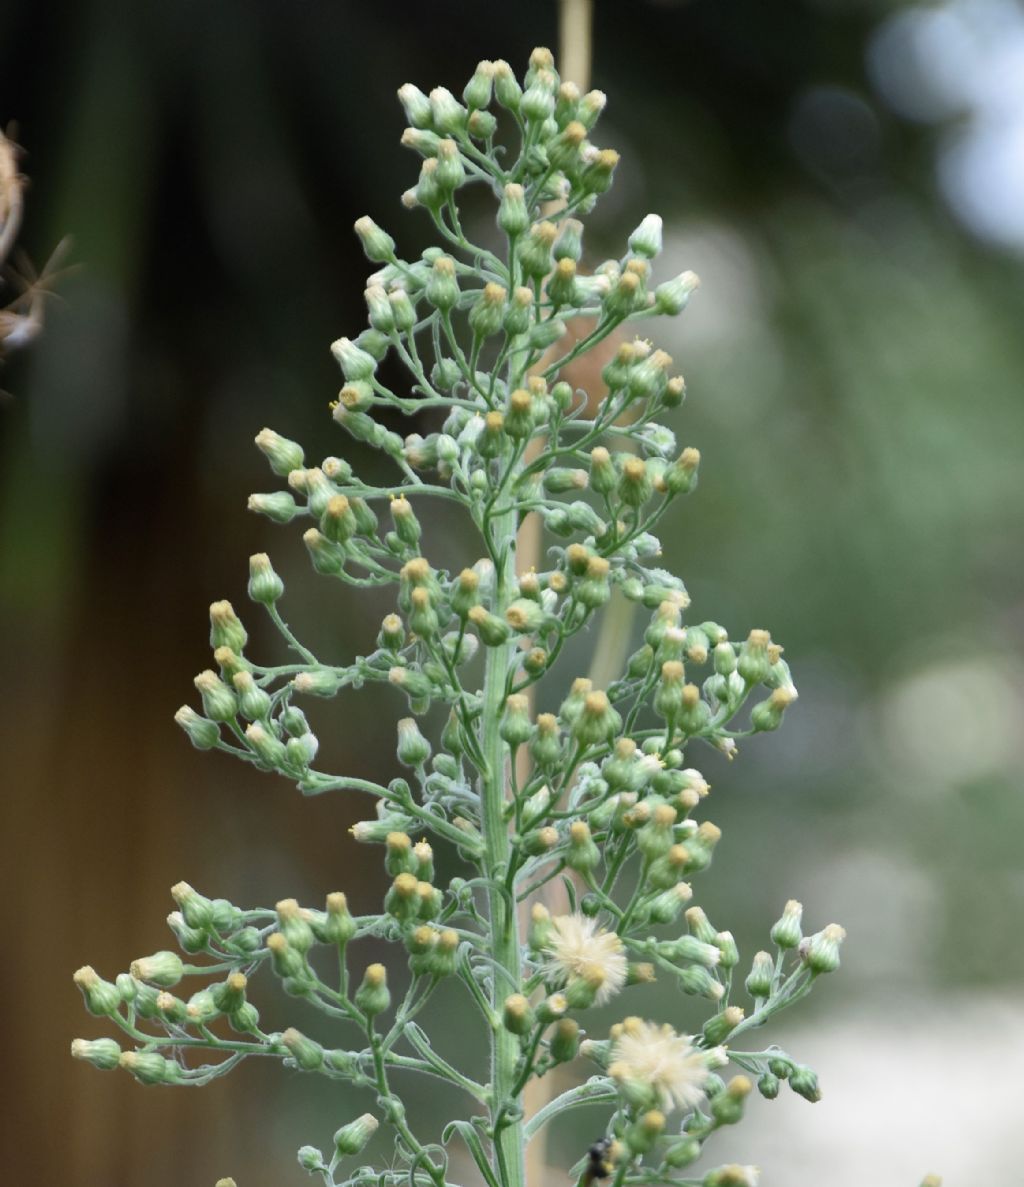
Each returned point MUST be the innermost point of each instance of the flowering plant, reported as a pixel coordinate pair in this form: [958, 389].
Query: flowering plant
[579, 827]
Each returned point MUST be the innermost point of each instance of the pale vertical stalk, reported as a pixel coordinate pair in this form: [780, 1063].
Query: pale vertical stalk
[504, 920]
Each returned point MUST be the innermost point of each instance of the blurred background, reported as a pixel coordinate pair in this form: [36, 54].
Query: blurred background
[847, 176]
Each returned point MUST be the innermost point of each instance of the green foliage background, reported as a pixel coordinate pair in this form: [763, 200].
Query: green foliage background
[854, 363]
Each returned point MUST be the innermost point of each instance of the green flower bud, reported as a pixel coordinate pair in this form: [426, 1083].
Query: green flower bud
[515, 727]
[768, 1086]
[163, 969]
[582, 854]
[534, 250]
[634, 483]
[350, 1139]
[253, 701]
[681, 476]
[283, 455]
[519, 316]
[265, 745]
[355, 364]
[546, 333]
[727, 1106]
[546, 743]
[229, 995]
[486, 316]
[665, 907]
[541, 840]
[278, 506]
[196, 909]
[481, 125]
[416, 105]
[761, 977]
[590, 108]
[517, 1016]
[328, 558]
[377, 243]
[447, 112]
[804, 1082]
[598, 721]
[552, 1008]
[786, 931]
[646, 239]
[477, 92]
[726, 944]
[821, 951]
[767, 715]
[101, 997]
[719, 1026]
[311, 1159]
[564, 1044]
[373, 996]
[656, 837]
[506, 87]
[672, 296]
[492, 630]
[413, 747]
[337, 926]
[696, 981]
[104, 1054]
[149, 1067]
[265, 586]
[202, 733]
[682, 1153]
[451, 173]
[307, 1053]
[226, 629]
[442, 286]
[753, 663]
[513, 217]
[596, 177]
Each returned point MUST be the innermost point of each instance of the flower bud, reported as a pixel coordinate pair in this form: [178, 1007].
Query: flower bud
[307, 1053]
[226, 629]
[804, 1082]
[767, 714]
[564, 1044]
[492, 630]
[416, 105]
[265, 586]
[672, 296]
[202, 733]
[477, 92]
[720, 1026]
[506, 87]
[513, 216]
[519, 316]
[486, 316]
[150, 1067]
[104, 1054]
[337, 926]
[265, 745]
[646, 239]
[448, 114]
[356, 364]
[279, 506]
[283, 455]
[163, 969]
[101, 997]
[582, 854]
[761, 977]
[597, 722]
[373, 996]
[820, 952]
[786, 931]
[539, 930]
[413, 747]
[517, 1016]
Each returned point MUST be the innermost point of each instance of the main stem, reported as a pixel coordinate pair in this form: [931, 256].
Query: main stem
[504, 922]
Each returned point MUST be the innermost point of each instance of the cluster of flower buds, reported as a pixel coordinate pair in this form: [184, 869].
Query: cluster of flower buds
[591, 791]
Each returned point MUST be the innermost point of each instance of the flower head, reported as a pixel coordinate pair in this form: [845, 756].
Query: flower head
[582, 951]
[663, 1062]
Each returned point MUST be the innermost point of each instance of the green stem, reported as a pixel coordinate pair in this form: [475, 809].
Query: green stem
[497, 853]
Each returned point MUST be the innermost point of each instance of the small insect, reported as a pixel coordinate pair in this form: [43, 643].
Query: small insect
[599, 1163]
